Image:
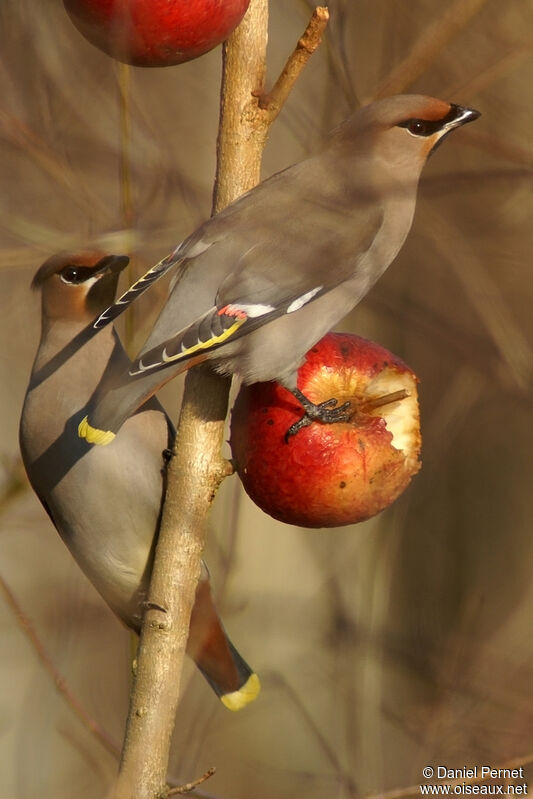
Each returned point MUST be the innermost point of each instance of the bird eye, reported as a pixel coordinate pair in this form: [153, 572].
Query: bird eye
[75, 274]
[418, 127]
[423, 127]
[69, 275]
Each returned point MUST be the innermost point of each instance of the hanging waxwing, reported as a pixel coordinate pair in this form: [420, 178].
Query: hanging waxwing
[106, 502]
[260, 283]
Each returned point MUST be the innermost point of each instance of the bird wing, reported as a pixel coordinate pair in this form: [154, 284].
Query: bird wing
[191, 247]
[261, 240]
[263, 286]
[140, 286]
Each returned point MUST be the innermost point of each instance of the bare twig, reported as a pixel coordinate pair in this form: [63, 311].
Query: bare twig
[190, 786]
[247, 112]
[487, 298]
[197, 467]
[501, 148]
[194, 472]
[33, 233]
[59, 680]
[414, 790]
[14, 483]
[20, 134]
[307, 44]
[243, 129]
[328, 749]
[470, 85]
[124, 81]
[432, 40]
[124, 92]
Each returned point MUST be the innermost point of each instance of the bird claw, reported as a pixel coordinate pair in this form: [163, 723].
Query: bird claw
[329, 413]
[297, 426]
[326, 412]
[328, 404]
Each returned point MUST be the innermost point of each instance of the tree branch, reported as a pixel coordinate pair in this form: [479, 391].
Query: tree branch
[414, 790]
[190, 786]
[126, 200]
[52, 671]
[307, 44]
[197, 467]
[243, 128]
[431, 41]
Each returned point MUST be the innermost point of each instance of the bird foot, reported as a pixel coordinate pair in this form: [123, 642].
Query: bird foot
[326, 412]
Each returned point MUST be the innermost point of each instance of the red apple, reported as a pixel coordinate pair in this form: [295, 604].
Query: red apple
[327, 475]
[156, 33]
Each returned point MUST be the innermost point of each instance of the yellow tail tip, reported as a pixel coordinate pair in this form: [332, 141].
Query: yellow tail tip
[239, 699]
[93, 435]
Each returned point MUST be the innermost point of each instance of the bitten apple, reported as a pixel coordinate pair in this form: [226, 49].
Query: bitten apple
[327, 475]
[156, 33]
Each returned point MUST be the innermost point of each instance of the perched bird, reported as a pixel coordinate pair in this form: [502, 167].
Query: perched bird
[106, 503]
[261, 282]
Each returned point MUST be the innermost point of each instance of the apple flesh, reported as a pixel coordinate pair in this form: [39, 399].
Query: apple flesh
[327, 475]
[156, 33]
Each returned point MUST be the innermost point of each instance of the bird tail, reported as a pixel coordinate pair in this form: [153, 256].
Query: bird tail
[224, 668]
[117, 397]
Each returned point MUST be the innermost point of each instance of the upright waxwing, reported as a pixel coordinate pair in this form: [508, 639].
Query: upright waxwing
[106, 503]
[261, 282]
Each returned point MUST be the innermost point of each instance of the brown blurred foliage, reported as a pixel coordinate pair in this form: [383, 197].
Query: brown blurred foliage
[384, 647]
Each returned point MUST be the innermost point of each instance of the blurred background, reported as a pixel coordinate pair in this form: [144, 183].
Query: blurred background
[383, 647]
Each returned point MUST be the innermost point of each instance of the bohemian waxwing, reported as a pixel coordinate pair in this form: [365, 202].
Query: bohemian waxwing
[265, 279]
[106, 503]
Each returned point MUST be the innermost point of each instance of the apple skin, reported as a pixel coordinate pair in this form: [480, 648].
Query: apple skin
[155, 33]
[328, 475]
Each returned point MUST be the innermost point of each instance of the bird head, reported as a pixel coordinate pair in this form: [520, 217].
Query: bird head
[78, 286]
[402, 131]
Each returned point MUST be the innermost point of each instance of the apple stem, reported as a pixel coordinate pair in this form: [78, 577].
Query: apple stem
[384, 399]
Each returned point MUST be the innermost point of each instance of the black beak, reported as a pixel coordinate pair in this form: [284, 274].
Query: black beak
[106, 271]
[460, 115]
[112, 263]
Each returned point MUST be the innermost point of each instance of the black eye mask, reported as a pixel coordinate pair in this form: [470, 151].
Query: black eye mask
[427, 127]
